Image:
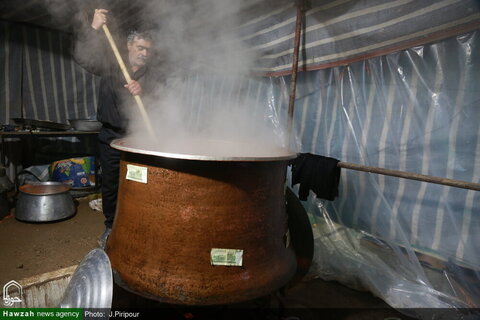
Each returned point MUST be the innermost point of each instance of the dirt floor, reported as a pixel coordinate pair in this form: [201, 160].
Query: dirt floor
[28, 249]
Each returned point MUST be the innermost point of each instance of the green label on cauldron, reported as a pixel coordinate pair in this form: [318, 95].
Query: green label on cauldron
[136, 173]
[226, 257]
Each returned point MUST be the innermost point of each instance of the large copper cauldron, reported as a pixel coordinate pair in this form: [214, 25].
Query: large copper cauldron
[165, 229]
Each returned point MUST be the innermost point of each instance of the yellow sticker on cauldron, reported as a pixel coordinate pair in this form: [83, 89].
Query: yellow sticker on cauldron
[226, 257]
[136, 173]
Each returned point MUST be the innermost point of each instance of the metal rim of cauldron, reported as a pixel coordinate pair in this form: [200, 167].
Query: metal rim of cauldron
[117, 145]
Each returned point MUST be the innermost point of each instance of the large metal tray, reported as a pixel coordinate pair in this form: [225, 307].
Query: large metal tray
[45, 124]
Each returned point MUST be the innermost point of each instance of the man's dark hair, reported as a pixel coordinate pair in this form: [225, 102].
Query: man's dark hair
[132, 34]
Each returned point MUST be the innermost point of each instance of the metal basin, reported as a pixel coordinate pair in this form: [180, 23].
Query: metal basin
[167, 231]
[43, 202]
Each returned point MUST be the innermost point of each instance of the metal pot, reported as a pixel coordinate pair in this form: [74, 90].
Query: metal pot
[43, 202]
[170, 231]
[85, 124]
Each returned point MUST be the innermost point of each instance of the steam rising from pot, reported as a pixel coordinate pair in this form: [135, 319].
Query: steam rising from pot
[209, 96]
[208, 92]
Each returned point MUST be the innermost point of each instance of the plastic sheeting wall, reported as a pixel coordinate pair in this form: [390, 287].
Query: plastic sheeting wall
[338, 32]
[417, 110]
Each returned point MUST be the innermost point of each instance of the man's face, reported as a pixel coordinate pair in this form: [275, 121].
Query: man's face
[138, 52]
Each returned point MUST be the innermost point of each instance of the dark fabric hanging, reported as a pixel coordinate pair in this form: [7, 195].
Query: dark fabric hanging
[317, 173]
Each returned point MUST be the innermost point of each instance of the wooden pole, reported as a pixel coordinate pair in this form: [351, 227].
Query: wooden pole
[137, 98]
[293, 82]
[411, 176]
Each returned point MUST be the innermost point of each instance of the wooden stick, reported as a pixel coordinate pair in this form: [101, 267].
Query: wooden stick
[137, 98]
[293, 81]
[411, 176]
